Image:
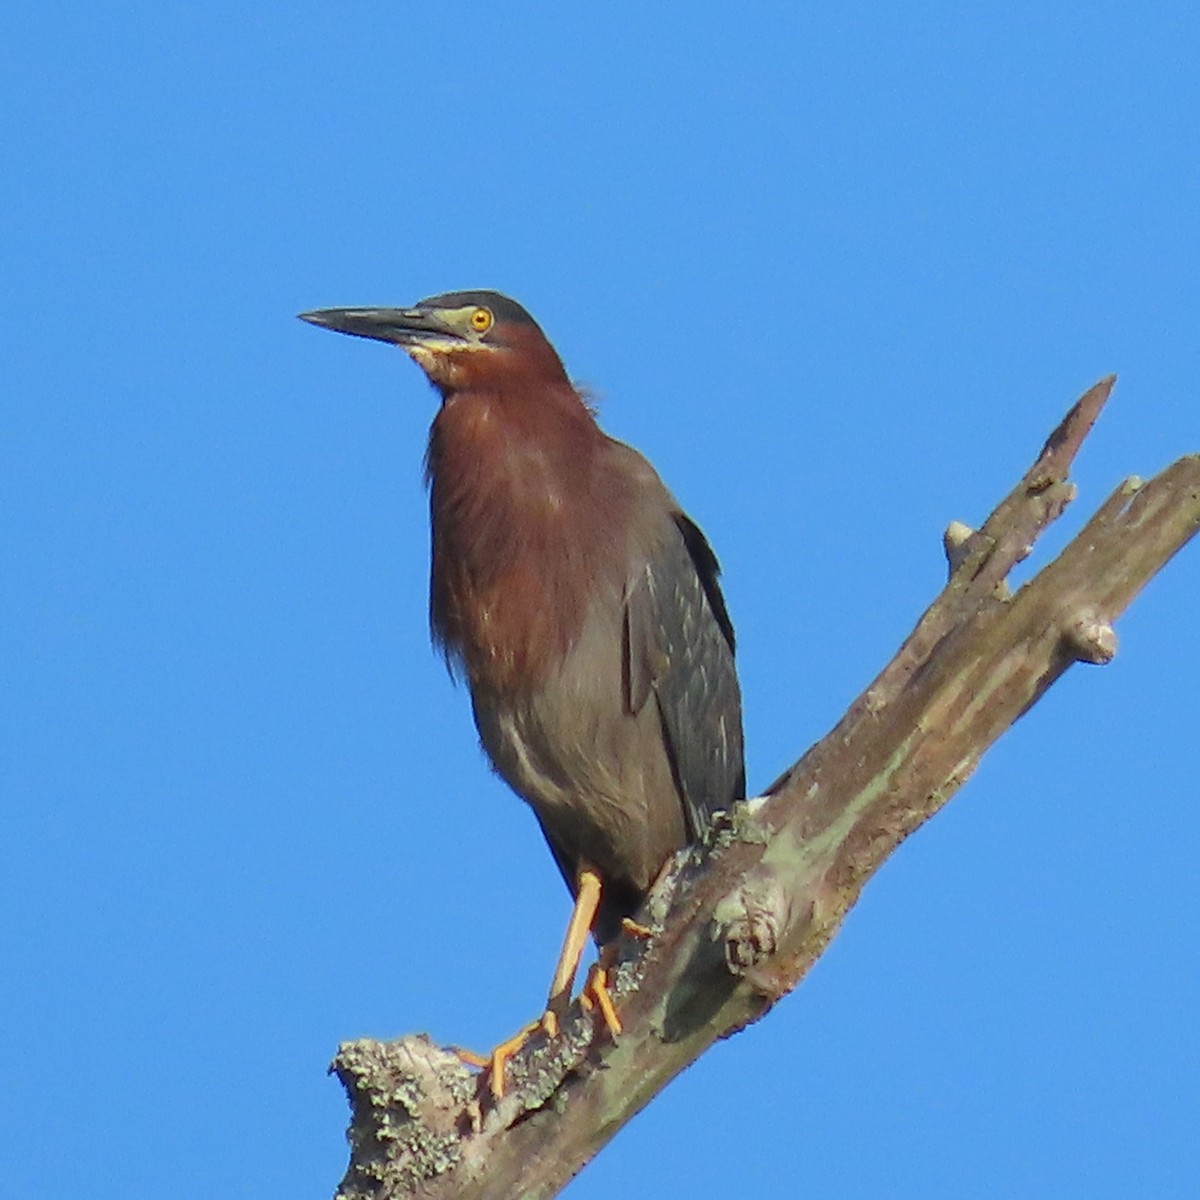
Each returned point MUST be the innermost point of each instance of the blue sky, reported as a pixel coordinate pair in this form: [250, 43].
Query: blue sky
[837, 270]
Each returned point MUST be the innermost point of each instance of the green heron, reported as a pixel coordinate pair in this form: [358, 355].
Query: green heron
[582, 605]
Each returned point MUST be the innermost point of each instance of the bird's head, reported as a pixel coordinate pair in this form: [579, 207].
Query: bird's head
[459, 339]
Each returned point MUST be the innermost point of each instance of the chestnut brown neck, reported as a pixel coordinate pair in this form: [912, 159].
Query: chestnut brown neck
[525, 529]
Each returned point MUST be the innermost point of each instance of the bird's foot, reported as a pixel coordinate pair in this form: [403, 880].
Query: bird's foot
[595, 995]
[636, 929]
[594, 998]
[494, 1064]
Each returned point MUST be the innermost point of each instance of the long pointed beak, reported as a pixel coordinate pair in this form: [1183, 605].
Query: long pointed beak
[401, 326]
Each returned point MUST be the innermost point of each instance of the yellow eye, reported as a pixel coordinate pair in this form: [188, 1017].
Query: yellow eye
[481, 320]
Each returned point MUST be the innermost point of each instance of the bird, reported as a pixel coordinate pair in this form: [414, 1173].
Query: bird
[583, 608]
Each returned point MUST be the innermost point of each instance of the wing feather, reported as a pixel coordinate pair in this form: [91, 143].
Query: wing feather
[679, 649]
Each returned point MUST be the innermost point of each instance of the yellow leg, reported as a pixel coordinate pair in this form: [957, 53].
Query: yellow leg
[587, 900]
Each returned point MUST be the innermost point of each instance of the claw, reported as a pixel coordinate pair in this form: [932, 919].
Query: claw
[596, 991]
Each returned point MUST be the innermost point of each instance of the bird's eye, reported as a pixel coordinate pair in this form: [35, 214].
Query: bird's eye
[481, 320]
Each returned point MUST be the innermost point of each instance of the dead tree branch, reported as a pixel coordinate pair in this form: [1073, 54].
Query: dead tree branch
[738, 924]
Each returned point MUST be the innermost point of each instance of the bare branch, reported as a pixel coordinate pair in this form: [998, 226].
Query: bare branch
[737, 925]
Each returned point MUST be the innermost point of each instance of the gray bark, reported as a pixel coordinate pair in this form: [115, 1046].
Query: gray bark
[738, 923]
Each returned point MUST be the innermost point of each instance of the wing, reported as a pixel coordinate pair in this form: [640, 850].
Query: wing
[679, 647]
